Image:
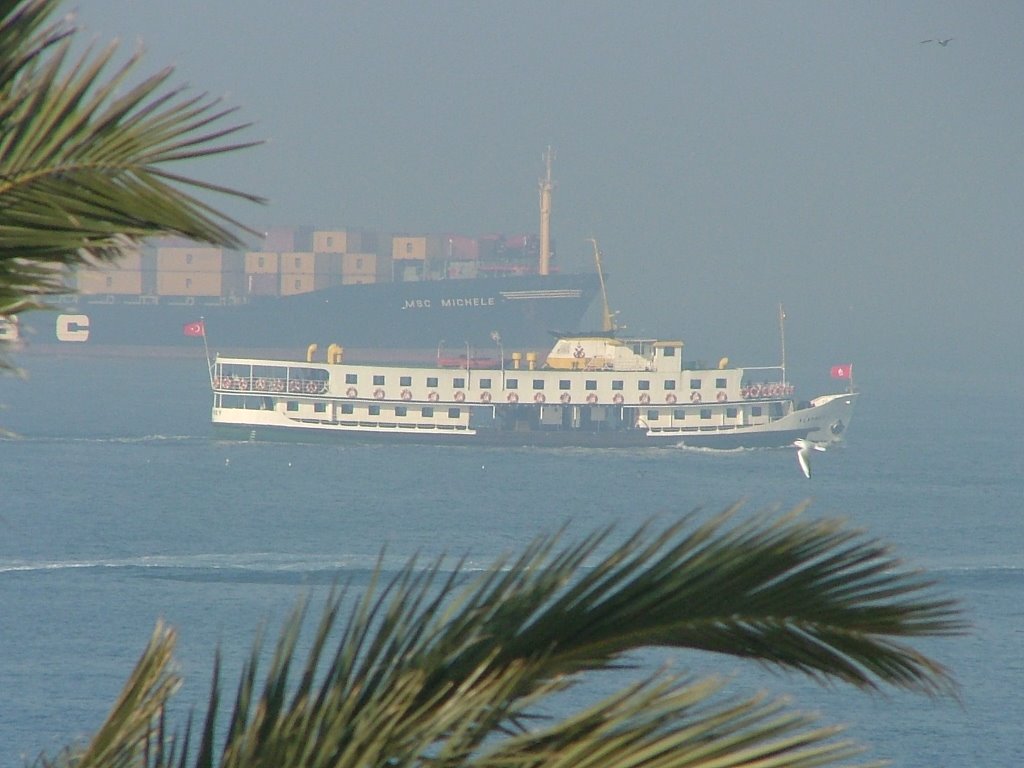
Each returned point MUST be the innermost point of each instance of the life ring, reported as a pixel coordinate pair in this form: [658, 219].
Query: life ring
[591, 398]
[406, 394]
[351, 392]
[539, 397]
[695, 397]
[645, 399]
[485, 397]
[433, 397]
[460, 397]
[618, 399]
[566, 398]
[745, 392]
[261, 385]
[378, 393]
[513, 398]
[670, 398]
[721, 397]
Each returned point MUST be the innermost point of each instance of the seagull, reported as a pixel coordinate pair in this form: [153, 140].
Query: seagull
[803, 455]
[945, 42]
[927, 41]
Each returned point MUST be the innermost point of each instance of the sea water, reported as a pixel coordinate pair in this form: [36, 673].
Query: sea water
[118, 510]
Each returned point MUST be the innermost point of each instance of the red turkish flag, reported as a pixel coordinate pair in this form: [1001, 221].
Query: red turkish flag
[197, 328]
[842, 371]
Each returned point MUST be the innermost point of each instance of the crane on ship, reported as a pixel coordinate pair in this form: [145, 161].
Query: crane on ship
[608, 324]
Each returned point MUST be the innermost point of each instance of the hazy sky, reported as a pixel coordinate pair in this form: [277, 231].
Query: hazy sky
[728, 156]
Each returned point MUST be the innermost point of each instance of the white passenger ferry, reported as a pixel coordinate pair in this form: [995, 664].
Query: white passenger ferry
[591, 390]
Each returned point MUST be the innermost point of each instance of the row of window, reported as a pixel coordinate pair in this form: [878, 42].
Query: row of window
[427, 411]
[513, 383]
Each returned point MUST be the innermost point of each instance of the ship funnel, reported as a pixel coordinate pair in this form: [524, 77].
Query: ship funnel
[334, 353]
[310, 351]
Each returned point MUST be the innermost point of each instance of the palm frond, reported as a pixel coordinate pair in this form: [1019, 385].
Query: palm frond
[84, 169]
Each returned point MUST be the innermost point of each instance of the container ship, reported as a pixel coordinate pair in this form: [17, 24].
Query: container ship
[397, 296]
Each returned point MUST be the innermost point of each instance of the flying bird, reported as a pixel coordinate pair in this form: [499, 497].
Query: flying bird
[927, 41]
[803, 454]
[945, 42]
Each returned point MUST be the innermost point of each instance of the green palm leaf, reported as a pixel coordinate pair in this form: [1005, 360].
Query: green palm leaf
[84, 167]
[435, 669]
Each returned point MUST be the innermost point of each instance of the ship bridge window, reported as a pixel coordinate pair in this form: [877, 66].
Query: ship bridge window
[669, 351]
[378, 381]
[459, 383]
[431, 381]
[563, 384]
[616, 383]
[643, 384]
[511, 383]
[591, 385]
[695, 383]
[720, 384]
[351, 378]
[538, 383]
[405, 381]
[485, 383]
[670, 383]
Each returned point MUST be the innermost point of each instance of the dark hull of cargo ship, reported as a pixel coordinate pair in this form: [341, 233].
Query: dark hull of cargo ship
[408, 316]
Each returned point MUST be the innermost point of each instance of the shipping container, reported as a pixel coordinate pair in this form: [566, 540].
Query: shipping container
[190, 259]
[461, 248]
[293, 283]
[262, 263]
[261, 284]
[119, 282]
[336, 241]
[358, 279]
[298, 262]
[418, 248]
[359, 264]
[174, 283]
[462, 270]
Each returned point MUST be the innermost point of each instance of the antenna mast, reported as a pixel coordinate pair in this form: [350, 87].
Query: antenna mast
[607, 319]
[546, 186]
[782, 340]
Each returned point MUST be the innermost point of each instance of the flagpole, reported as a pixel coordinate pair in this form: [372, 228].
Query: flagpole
[206, 348]
[782, 339]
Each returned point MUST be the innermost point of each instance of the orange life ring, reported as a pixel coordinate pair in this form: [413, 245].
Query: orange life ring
[460, 397]
[591, 398]
[566, 398]
[378, 393]
[645, 399]
[485, 397]
[513, 398]
[721, 397]
[433, 397]
[351, 392]
[618, 399]
[670, 398]
[539, 397]
[406, 394]
[695, 397]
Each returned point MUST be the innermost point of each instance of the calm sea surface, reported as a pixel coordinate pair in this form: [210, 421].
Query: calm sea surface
[118, 510]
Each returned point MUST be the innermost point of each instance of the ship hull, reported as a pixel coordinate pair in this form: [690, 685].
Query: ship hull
[422, 315]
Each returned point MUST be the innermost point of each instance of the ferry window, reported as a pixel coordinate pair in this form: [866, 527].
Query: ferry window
[485, 383]
[405, 381]
[188, 258]
[695, 383]
[670, 351]
[188, 282]
[359, 265]
[110, 282]
[755, 410]
[730, 413]
[292, 405]
[298, 285]
[512, 384]
[401, 410]
[351, 378]
[298, 264]
[670, 383]
[459, 383]
[378, 381]
[643, 384]
[431, 381]
[346, 408]
[679, 414]
[408, 247]
[538, 383]
[705, 413]
[591, 385]
[616, 383]
[563, 384]
[720, 383]
[330, 241]
[261, 261]
[427, 411]
[652, 415]
[453, 413]
[319, 407]
[374, 410]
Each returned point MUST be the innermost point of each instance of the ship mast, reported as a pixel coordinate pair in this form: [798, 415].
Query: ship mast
[546, 185]
[607, 318]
